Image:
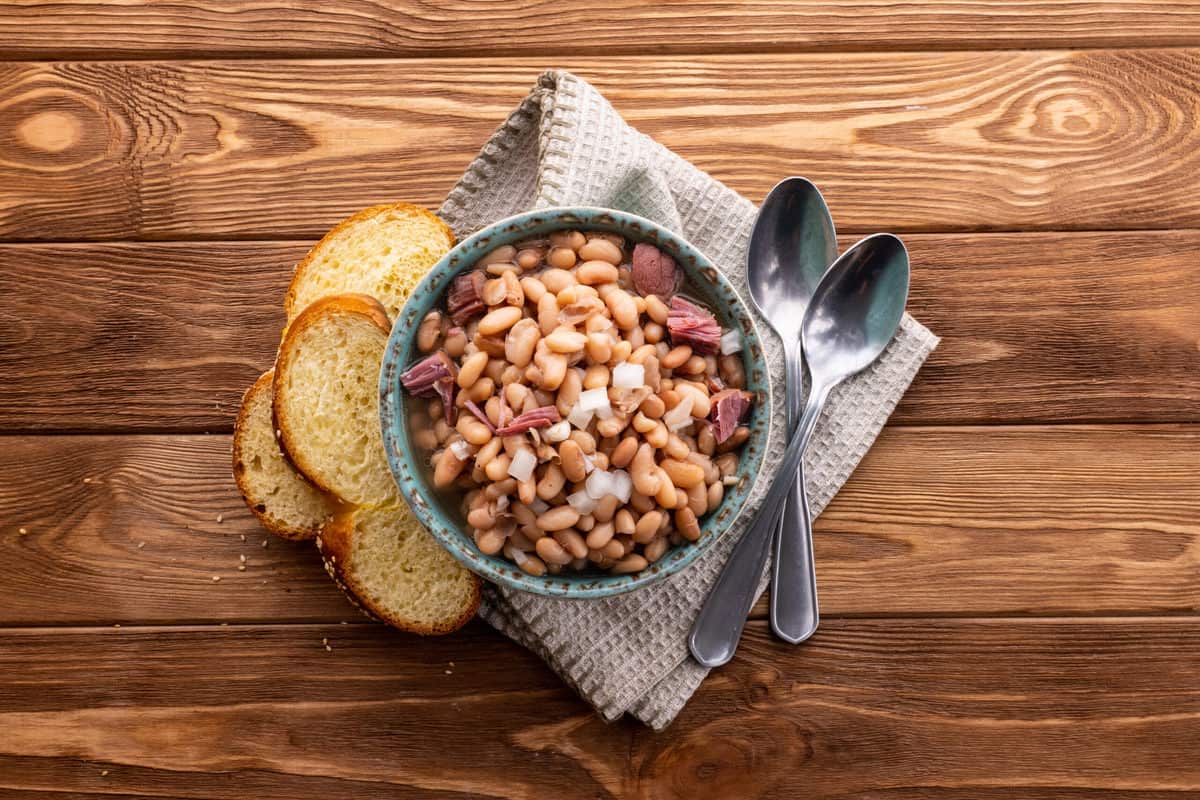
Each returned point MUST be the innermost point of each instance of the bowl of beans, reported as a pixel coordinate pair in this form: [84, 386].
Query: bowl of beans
[574, 402]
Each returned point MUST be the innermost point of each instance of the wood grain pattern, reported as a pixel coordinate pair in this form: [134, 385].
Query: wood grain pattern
[1075, 327]
[895, 708]
[913, 142]
[142, 29]
[135, 337]
[1000, 520]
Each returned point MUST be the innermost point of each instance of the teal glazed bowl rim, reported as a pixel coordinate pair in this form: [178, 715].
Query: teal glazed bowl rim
[440, 514]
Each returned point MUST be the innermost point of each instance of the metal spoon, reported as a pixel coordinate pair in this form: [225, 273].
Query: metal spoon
[791, 246]
[853, 315]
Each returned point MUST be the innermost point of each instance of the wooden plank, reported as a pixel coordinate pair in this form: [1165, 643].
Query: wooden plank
[868, 708]
[981, 521]
[204, 28]
[1035, 327]
[136, 337]
[908, 142]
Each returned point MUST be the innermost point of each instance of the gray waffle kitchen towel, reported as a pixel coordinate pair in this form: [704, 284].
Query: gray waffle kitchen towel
[565, 145]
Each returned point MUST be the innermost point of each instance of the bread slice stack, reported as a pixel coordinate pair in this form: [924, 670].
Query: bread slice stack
[308, 451]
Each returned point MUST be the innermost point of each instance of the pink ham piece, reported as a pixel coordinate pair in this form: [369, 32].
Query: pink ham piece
[729, 408]
[474, 408]
[465, 298]
[692, 325]
[538, 418]
[445, 388]
[421, 378]
[655, 272]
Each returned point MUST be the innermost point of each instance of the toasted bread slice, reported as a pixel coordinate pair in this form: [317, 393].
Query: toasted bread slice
[389, 565]
[285, 503]
[327, 398]
[382, 251]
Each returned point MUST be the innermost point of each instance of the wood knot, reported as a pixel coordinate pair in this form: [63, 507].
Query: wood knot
[50, 131]
[1073, 115]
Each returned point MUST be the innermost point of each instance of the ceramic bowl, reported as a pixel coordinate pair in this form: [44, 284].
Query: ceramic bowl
[439, 511]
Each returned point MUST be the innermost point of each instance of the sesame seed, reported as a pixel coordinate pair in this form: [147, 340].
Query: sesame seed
[103, 773]
[242, 558]
[243, 536]
[448, 672]
[325, 640]
[216, 578]
[241, 567]
[451, 663]
[23, 531]
[87, 480]
[328, 649]
[220, 518]
[264, 543]
[116, 624]
[141, 545]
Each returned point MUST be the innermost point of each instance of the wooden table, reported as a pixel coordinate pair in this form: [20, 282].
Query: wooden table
[1010, 582]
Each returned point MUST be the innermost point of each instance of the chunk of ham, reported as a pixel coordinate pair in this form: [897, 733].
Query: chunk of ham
[465, 298]
[654, 272]
[537, 418]
[729, 408]
[692, 325]
[474, 408]
[421, 378]
[445, 388]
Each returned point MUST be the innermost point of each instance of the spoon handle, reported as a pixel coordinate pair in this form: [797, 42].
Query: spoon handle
[718, 627]
[794, 614]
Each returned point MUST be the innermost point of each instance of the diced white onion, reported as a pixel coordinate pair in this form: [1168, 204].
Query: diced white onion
[461, 449]
[622, 485]
[681, 415]
[731, 342]
[539, 506]
[517, 555]
[594, 399]
[628, 376]
[558, 432]
[604, 413]
[579, 417]
[599, 484]
[522, 464]
[502, 502]
[582, 502]
[588, 463]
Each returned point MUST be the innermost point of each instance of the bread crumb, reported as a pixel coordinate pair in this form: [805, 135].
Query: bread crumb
[141, 545]
[216, 578]
[220, 518]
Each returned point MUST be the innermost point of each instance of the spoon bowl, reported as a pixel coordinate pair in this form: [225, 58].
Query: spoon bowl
[855, 312]
[792, 244]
